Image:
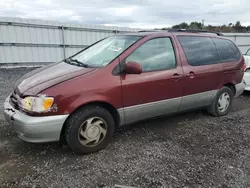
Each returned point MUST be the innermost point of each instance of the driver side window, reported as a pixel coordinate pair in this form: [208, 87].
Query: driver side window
[154, 55]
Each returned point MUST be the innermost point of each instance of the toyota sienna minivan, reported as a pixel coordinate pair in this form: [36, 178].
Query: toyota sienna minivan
[124, 79]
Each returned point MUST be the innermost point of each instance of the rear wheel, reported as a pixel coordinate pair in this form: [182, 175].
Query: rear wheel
[89, 129]
[222, 102]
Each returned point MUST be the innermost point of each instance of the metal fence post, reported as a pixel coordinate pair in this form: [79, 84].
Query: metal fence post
[63, 40]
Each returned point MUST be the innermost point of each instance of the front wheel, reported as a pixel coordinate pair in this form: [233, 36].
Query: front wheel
[222, 102]
[89, 129]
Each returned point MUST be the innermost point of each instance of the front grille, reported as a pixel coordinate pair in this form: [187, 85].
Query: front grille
[15, 100]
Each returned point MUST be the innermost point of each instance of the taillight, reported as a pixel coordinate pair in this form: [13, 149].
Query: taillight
[244, 66]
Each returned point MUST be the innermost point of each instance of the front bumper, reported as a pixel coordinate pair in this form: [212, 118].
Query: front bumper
[246, 79]
[34, 129]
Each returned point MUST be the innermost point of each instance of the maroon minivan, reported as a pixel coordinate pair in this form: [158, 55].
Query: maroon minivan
[123, 79]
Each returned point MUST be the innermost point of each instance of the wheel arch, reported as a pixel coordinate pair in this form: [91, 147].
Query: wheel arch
[232, 87]
[110, 108]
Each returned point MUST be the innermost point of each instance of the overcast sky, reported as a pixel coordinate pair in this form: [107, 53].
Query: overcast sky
[130, 13]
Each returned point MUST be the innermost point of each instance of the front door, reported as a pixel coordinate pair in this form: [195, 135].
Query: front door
[158, 89]
[202, 71]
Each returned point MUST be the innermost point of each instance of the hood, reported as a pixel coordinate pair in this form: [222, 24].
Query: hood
[39, 79]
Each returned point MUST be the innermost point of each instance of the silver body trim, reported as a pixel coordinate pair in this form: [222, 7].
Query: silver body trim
[197, 100]
[143, 111]
[34, 129]
[122, 116]
[170, 106]
[149, 110]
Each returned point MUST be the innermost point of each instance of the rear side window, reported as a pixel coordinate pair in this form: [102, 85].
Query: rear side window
[199, 50]
[227, 50]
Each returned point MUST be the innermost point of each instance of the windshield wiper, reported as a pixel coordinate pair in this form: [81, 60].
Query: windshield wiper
[79, 63]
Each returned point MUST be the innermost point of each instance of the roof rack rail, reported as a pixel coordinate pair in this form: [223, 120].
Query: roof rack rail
[153, 30]
[183, 30]
[194, 31]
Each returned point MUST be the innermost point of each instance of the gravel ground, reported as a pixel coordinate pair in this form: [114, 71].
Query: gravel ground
[186, 150]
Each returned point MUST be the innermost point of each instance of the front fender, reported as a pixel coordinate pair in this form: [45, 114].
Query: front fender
[80, 101]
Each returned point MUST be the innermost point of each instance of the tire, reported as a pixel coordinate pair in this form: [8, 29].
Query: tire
[214, 108]
[88, 120]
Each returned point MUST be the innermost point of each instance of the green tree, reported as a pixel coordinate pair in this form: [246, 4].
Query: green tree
[182, 25]
[195, 25]
[248, 28]
[237, 26]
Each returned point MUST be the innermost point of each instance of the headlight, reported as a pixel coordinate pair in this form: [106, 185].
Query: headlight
[37, 104]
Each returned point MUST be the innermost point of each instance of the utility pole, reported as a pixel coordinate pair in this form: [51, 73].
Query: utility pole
[202, 23]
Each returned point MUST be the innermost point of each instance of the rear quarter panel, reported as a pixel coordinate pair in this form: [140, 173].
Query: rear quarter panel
[232, 71]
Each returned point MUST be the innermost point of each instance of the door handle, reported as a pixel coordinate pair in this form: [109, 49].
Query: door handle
[176, 76]
[191, 75]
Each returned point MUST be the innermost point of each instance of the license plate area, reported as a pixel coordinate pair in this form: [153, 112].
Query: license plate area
[9, 116]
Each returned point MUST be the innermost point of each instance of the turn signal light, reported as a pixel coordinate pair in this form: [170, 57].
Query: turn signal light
[244, 67]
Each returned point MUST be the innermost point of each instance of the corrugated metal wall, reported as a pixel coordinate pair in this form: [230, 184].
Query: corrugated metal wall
[241, 39]
[26, 42]
[29, 42]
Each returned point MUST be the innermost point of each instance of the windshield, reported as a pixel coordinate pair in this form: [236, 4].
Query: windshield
[103, 52]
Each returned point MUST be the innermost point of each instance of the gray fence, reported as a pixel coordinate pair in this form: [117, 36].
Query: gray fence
[28, 42]
[241, 39]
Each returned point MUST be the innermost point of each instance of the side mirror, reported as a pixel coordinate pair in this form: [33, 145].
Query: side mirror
[132, 67]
